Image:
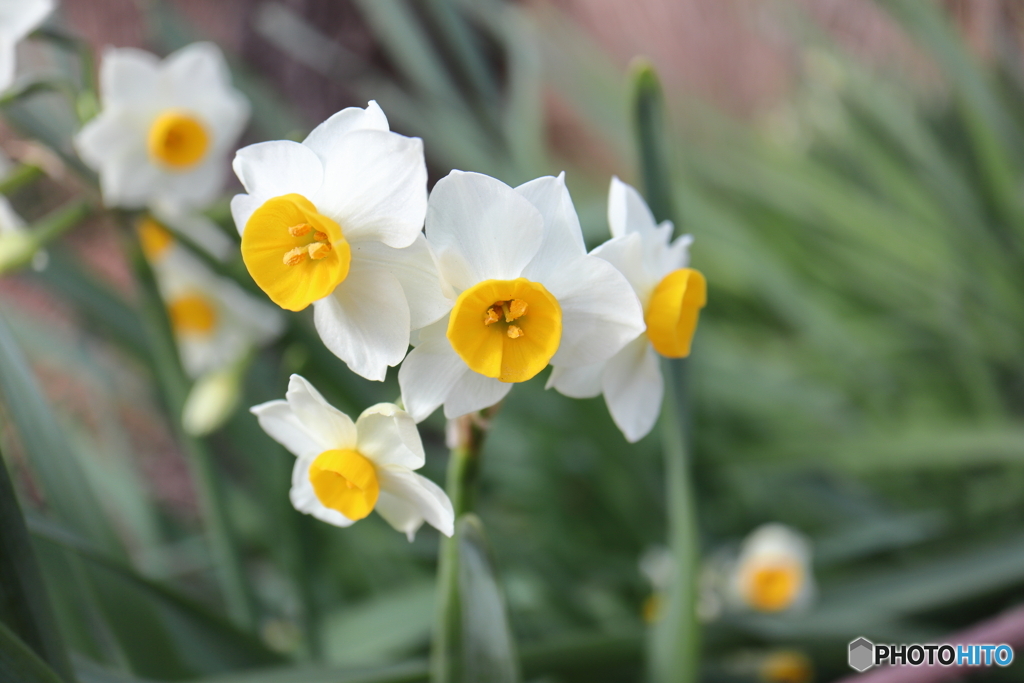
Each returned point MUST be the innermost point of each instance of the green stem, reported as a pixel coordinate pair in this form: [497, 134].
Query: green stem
[19, 177]
[24, 602]
[19, 247]
[461, 485]
[675, 641]
[175, 387]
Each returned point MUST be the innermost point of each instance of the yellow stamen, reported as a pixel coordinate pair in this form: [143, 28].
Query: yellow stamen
[497, 348]
[344, 480]
[295, 256]
[517, 308]
[177, 140]
[319, 250]
[294, 269]
[672, 312]
[192, 314]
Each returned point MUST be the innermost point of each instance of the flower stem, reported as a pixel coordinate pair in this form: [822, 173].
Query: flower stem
[466, 436]
[18, 248]
[19, 177]
[675, 638]
[174, 386]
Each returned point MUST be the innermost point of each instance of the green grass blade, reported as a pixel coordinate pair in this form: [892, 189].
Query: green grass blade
[19, 664]
[174, 386]
[24, 602]
[50, 455]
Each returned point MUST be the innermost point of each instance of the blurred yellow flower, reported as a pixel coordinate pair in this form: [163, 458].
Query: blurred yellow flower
[344, 470]
[165, 128]
[671, 294]
[773, 570]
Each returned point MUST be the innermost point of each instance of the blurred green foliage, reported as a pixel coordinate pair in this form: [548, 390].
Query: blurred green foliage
[857, 375]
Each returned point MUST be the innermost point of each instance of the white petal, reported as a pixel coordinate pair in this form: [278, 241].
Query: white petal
[600, 311]
[7, 62]
[193, 189]
[633, 389]
[627, 210]
[331, 428]
[375, 186]
[198, 69]
[415, 269]
[365, 322]
[324, 138]
[19, 17]
[429, 373]
[387, 435]
[271, 169]
[474, 392]
[242, 207]
[627, 255]
[128, 75]
[563, 239]
[279, 421]
[422, 494]
[677, 255]
[304, 498]
[400, 514]
[582, 382]
[129, 180]
[480, 228]
[114, 133]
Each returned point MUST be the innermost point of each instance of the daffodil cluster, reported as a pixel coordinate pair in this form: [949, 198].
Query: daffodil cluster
[489, 284]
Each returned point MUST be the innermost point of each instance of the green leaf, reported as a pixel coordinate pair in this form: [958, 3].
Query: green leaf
[653, 144]
[24, 602]
[477, 644]
[201, 633]
[49, 453]
[19, 664]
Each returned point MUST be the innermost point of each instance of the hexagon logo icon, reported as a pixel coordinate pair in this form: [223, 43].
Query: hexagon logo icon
[862, 654]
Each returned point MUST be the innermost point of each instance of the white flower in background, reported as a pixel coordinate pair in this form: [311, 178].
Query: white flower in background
[18, 18]
[528, 295]
[215, 321]
[345, 470]
[165, 128]
[671, 295]
[200, 230]
[336, 222]
[773, 571]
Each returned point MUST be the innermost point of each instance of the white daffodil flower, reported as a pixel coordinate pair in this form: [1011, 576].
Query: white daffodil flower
[215, 321]
[336, 222]
[671, 295]
[345, 470]
[773, 571]
[18, 18]
[165, 128]
[527, 294]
